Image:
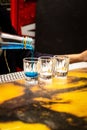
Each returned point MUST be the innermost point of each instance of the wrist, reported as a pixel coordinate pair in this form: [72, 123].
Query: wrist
[80, 57]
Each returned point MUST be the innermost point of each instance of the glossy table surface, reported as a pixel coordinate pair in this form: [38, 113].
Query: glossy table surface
[61, 105]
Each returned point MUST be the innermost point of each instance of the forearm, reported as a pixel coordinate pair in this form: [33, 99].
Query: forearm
[75, 58]
[80, 57]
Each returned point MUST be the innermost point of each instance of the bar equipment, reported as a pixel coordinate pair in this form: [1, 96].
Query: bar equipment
[9, 41]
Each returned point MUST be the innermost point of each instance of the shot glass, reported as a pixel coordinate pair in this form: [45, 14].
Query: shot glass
[46, 69]
[60, 66]
[30, 66]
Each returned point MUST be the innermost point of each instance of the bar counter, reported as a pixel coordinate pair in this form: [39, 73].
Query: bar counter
[61, 105]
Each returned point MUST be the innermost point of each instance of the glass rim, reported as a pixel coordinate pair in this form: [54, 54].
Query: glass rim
[45, 57]
[61, 56]
[30, 59]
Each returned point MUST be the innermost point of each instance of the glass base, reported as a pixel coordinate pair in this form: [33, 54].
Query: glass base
[31, 81]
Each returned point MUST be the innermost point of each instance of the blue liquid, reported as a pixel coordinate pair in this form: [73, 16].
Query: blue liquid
[11, 45]
[31, 74]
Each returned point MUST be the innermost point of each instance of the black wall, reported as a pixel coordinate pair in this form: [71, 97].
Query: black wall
[61, 26]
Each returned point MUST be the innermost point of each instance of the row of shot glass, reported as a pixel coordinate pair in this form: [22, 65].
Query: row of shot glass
[44, 68]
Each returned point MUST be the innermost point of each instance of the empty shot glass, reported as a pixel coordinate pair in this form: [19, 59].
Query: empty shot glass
[30, 66]
[45, 69]
[60, 66]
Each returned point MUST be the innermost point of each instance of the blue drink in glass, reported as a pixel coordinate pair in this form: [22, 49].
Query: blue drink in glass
[30, 65]
[31, 74]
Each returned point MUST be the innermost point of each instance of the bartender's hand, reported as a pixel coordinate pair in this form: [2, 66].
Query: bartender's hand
[80, 57]
[83, 56]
